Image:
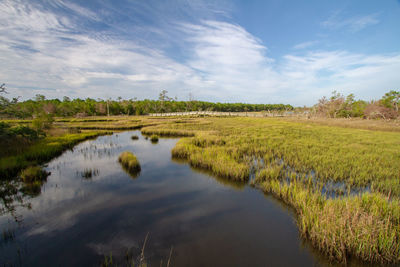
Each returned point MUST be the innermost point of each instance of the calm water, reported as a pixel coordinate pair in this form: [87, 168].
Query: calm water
[75, 221]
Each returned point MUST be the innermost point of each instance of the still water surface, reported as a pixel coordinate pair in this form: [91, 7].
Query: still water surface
[75, 221]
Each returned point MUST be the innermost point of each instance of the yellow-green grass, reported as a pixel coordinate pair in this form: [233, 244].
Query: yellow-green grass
[166, 132]
[365, 226]
[33, 174]
[129, 162]
[154, 138]
[41, 151]
[356, 123]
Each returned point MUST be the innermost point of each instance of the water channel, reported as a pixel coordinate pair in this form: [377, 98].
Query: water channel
[204, 220]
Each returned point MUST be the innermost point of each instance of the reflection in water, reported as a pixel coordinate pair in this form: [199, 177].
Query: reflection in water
[209, 222]
[238, 185]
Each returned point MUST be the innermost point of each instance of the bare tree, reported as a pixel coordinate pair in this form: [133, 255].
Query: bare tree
[3, 88]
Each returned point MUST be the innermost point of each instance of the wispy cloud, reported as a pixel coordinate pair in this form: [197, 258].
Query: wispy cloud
[353, 24]
[46, 51]
[305, 45]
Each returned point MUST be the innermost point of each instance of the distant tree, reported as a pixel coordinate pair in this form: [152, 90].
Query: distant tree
[391, 100]
[40, 98]
[163, 96]
[3, 88]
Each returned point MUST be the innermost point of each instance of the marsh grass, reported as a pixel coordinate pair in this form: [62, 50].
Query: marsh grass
[34, 174]
[42, 151]
[135, 137]
[166, 132]
[89, 173]
[303, 164]
[364, 226]
[154, 138]
[129, 162]
[33, 177]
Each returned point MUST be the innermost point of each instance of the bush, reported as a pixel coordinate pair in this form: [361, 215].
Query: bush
[376, 111]
[42, 122]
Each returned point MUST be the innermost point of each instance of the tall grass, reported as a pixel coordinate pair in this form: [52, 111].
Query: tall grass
[41, 151]
[365, 226]
[299, 160]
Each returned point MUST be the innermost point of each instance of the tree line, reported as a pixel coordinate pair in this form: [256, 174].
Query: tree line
[90, 107]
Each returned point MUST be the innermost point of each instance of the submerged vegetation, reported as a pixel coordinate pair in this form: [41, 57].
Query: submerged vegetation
[129, 162]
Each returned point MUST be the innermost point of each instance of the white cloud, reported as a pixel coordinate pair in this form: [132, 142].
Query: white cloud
[49, 53]
[354, 24]
[305, 45]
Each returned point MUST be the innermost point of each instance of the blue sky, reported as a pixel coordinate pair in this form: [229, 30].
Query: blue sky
[266, 51]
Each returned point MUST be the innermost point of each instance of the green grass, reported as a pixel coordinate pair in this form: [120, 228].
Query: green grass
[166, 132]
[33, 174]
[41, 151]
[154, 138]
[298, 161]
[129, 162]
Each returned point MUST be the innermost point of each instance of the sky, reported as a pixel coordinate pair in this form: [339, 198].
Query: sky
[266, 51]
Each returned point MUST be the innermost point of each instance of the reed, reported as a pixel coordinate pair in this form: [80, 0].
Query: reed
[135, 137]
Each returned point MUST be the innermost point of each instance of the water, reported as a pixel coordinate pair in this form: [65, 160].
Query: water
[206, 221]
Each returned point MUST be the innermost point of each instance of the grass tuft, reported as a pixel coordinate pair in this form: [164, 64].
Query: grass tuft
[34, 174]
[129, 162]
[154, 138]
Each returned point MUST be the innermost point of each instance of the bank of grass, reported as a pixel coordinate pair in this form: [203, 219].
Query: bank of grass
[364, 226]
[166, 132]
[33, 174]
[298, 160]
[129, 161]
[41, 151]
